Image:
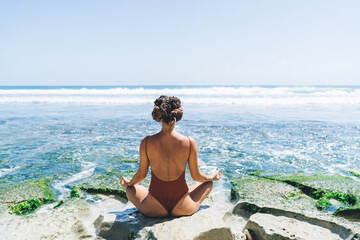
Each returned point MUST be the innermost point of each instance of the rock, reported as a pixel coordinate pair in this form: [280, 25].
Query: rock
[78, 228]
[121, 194]
[246, 210]
[76, 193]
[20, 192]
[351, 214]
[108, 228]
[274, 193]
[327, 183]
[300, 193]
[215, 234]
[269, 227]
[208, 221]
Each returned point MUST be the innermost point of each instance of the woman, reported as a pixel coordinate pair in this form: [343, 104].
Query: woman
[167, 153]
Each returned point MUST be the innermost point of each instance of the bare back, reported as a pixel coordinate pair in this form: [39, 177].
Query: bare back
[168, 155]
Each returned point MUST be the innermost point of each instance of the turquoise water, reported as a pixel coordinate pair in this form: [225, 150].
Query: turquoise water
[62, 132]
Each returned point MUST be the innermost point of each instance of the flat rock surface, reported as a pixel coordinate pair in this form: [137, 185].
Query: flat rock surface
[207, 221]
[269, 227]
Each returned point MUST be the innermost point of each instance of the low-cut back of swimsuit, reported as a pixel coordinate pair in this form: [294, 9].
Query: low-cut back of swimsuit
[168, 193]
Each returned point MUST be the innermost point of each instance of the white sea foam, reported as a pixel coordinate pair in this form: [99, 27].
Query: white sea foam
[266, 101]
[88, 169]
[214, 91]
[5, 171]
[200, 95]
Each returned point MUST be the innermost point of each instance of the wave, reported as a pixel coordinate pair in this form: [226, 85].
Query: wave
[5, 171]
[60, 185]
[201, 95]
[243, 91]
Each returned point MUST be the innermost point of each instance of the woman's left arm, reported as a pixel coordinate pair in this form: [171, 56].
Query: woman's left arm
[142, 172]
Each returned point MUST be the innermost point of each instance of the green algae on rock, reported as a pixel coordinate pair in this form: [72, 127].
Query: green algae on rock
[333, 183]
[324, 203]
[19, 192]
[324, 188]
[44, 185]
[29, 205]
[267, 192]
[76, 193]
[299, 193]
[354, 174]
[26, 197]
[256, 173]
[103, 190]
[61, 202]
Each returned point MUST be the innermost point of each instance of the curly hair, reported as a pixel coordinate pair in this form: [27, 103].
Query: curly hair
[166, 109]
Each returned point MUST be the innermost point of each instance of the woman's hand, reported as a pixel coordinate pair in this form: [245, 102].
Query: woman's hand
[124, 182]
[216, 176]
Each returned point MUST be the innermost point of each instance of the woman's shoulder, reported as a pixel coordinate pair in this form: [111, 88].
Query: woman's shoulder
[192, 142]
[179, 137]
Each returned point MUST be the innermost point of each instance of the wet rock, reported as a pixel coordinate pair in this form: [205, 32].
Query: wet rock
[267, 192]
[269, 227]
[120, 194]
[351, 214]
[234, 196]
[300, 193]
[215, 234]
[317, 182]
[76, 193]
[20, 192]
[246, 209]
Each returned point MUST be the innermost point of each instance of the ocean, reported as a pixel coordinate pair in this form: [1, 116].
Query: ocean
[73, 133]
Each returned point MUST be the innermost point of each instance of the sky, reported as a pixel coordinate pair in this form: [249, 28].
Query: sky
[187, 42]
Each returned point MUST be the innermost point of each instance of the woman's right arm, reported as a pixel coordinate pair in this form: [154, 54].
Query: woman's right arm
[195, 172]
[143, 169]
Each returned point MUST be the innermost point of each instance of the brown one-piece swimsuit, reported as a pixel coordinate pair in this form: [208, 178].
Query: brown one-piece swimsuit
[168, 193]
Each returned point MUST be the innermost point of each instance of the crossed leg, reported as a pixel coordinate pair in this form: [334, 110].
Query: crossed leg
[145, 202]
[187, 205]
[191, 201]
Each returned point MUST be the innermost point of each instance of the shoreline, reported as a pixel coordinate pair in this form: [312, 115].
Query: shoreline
[253, 197]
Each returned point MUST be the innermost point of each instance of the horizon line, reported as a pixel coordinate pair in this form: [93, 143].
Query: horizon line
[203, 85]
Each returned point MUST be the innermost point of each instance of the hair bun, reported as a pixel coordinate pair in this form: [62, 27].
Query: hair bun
[166, 109]
[157, 114]
[177, 113]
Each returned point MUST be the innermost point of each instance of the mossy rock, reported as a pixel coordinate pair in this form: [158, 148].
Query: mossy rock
[107, 191]
[76, 192]
[19, 192]
[256, 173]
[108, 180]
[246, 209]
[29, 205]
[323, 188]
[348, 199]
[263, 191]
[333, 183]
[61, 202]
[355, 174]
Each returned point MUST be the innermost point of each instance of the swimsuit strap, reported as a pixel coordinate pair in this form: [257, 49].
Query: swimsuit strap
[146, 147]
[189, 148]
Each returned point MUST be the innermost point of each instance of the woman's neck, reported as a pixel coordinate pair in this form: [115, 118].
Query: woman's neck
[168, 128]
